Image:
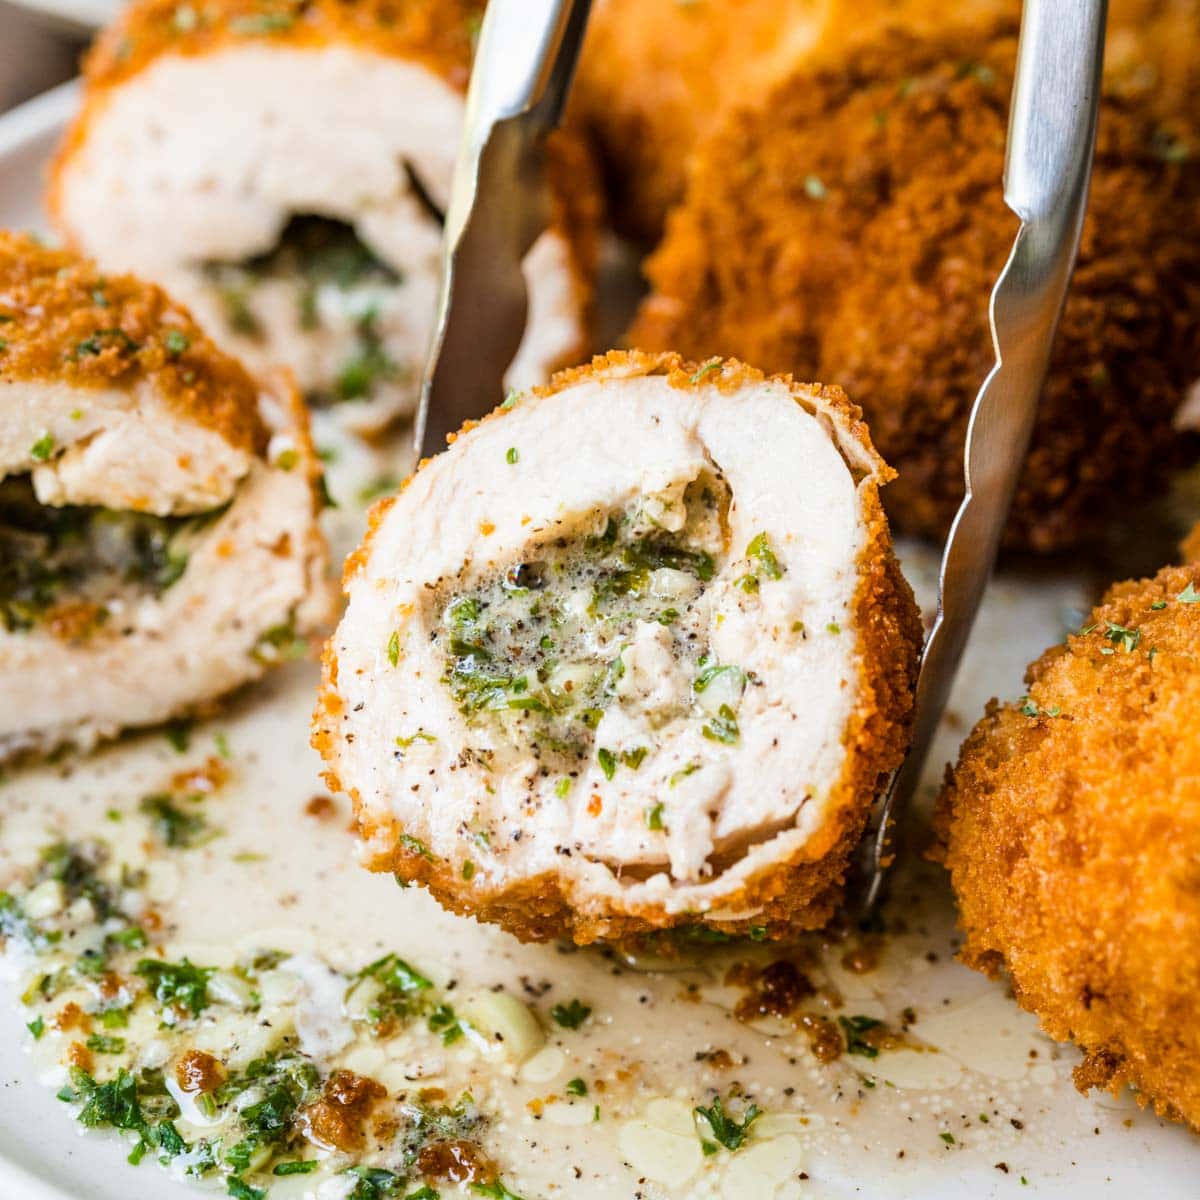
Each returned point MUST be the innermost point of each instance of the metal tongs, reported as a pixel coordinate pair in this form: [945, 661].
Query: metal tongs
[499, 205]
[527, 55]
[1047, 169]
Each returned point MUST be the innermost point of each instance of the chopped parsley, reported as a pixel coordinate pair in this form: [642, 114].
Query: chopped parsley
[1127, 639]
[760, 550]
[41, 450]
[683, 772]
[723, 727]
[654, 816]
[94, 346]
[854, 1028]
[393, 648]
[172, 825]
[512, 456]
[444, 1022]
[297, 1166]
[177, 985]
[415, 845]
[725, 1129]
[707, 369]
[176, 342]
[607, 761]
[571, 1015]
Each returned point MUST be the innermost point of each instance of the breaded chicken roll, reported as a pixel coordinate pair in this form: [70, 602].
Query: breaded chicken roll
[657, 76]
[851, 228]
[158, 536]
[1071, 828]
[283, 167]
[632, 654]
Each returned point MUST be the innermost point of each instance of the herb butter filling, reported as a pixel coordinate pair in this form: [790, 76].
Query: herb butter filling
[537, 653]
[70, 567]
[319, 282]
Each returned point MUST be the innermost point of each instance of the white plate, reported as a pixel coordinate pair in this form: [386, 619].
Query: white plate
[43, 1156]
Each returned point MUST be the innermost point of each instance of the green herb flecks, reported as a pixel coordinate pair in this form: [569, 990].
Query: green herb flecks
[726, 1130]
[854, 1029]
[174, 826]
[723, 727]
[571, 1015]
[179, 985]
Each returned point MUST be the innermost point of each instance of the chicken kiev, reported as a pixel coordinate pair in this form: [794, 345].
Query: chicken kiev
[1071, 829]
[283, 169]
[633, 653]
[158, 534]
[657, 76]
[851, 228]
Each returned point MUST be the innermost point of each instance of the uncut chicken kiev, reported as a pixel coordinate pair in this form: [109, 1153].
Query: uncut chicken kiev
[850, 228]
[1071, 830]
[633, 653]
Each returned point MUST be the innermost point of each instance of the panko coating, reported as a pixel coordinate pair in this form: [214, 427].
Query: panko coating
[656, 76]
[634, 653]
[852, 227]
[1071, 830]
[283, 168]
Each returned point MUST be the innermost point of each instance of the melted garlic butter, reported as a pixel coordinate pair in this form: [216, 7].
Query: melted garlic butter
[256, 882]
[613, 617]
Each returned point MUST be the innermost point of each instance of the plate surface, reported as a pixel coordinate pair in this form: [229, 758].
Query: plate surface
[1068, 1146]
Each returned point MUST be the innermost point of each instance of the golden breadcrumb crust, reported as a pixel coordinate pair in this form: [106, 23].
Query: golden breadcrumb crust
[437, 33]
[799, 893]
[852, 226]
[62, 320]
[1071, 829]
[657, 76]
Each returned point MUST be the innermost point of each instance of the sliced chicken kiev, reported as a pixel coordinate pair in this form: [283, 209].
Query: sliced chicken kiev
[283, 168]
[633, 653]
[1071, 828]
[851, 226]
[158, 535]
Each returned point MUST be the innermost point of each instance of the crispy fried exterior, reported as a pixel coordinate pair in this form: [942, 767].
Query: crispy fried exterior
[656, 76]
[438, 33]
[653, 76]
[800, 893]
[62, 320]
[852, 227]
[1073, 842]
